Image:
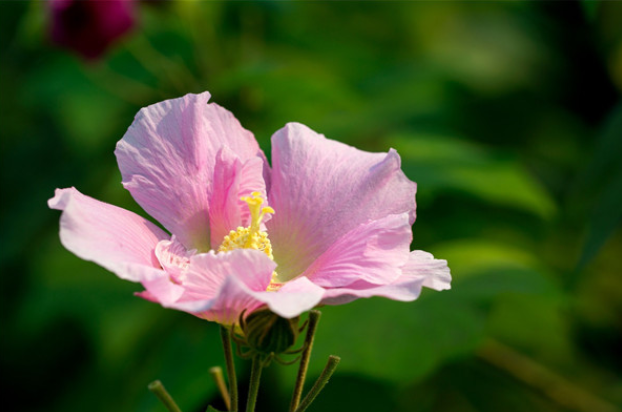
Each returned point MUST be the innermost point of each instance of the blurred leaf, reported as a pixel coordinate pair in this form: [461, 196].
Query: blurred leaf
[349, 392]
[397, 341]
[403, 342]
[604, 173]
[606, 219]
[471, 256]
[590, 7]
[536, 325]
[439, 163]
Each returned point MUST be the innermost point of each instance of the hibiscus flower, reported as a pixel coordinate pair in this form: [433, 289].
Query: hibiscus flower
[326, 224]
[90, 27]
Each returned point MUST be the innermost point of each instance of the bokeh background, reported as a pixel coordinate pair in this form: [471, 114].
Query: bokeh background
[507, 115]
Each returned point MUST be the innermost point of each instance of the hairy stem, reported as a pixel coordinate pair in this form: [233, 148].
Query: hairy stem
[233, 383]
[253, 388]
[328, 371]
[314, 317]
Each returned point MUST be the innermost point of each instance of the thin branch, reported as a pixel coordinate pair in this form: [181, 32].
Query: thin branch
[550, 384]
[158, 389]
[314, 318]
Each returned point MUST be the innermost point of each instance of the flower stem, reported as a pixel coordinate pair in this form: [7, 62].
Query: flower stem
[158, 389]
[328, 371]
[253, 389]
[216, 373]
[314, 317]
[233, 383]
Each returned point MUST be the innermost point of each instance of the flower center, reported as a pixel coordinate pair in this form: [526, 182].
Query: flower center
[252, 237]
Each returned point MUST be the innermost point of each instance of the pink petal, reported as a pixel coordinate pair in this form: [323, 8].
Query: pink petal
[373, 252]
[405, 290]
[322, 189]
[434, 272]
[295, 297]
[207, 272]
[219, 287]
[168, 156]
[162, 290]
[420, 270]
[235, 296]
[114, 238]
[233, 180]
[173, 257]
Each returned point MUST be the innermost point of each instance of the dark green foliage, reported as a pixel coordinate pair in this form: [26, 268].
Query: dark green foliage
[506, 114]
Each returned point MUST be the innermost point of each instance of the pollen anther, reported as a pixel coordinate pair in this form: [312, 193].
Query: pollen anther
[252, 237]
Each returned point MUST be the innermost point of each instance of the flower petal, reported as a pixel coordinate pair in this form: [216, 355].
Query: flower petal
[235, 296]
[167, 159]
[232, 180]
[322, 189]
[161, 290]
[207, 272]
[220, 286]
[295, 297]
[420, 270]
[405, 290]
[373, 252]
[117, 239]
[434, 272]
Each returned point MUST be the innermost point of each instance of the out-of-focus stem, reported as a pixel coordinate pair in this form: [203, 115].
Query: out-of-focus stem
[158, 389]
[328, 371]
[314, 317]
[233, 383]
[550, 384]
[216, 373]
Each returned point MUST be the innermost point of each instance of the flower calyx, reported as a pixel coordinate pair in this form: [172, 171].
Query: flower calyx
[268, 336]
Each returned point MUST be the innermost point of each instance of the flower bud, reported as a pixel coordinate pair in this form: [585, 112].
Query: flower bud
[268, 333]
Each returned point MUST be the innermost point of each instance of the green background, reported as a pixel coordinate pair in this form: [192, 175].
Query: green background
[506, 114]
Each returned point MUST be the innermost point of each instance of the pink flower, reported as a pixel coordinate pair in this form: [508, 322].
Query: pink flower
[89, 27]
[337, 228]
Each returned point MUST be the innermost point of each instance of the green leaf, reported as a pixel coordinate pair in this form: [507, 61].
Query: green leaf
[590, 8]
[210, 408]
[397, 341]
[441, 163]
[605, 220]
[603, 182]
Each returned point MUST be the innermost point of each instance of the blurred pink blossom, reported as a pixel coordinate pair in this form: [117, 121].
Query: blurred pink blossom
[90, 27]
[326, 224]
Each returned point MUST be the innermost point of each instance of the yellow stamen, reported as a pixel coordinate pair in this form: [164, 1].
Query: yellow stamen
[252, 237]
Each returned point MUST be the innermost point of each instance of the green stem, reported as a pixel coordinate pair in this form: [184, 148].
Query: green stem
[328, 371]
[314, 318]
[158, 389]
[216, 373]
[233, 383]
[253, 389]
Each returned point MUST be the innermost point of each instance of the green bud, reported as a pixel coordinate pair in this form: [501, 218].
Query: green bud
[268, 333]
